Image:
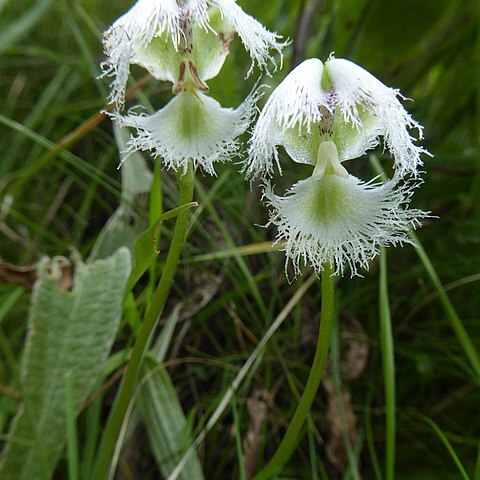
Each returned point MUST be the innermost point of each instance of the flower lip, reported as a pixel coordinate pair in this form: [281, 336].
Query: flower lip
[342, 221]
[192, 127]
[337, 101]
[160, 35]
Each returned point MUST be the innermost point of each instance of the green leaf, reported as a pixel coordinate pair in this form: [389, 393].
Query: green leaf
[165, 421]
[146, 247]
[69, 332]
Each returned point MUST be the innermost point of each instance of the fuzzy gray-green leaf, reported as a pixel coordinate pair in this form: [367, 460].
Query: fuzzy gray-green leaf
[165, 421]
[124, 226]
[67, 332]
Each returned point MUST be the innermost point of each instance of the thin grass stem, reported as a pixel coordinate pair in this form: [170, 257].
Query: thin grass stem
[452, 315]
[311, 451]
[388, 357]
[92, 428]
[447, 444]
[352, 466]
[370, 442]
[238, 441]
[476, 475]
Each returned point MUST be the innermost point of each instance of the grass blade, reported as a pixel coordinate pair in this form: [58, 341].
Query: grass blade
[18, 29]
[452, 315]
[388, 357]
[447, 444]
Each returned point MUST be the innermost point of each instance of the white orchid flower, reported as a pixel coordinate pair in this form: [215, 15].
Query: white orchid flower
[323, 115]
[184, 42]
[337, 101]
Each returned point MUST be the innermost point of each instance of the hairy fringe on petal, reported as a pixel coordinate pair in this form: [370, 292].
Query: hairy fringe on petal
[355, 87]
[258, 41]
[148, 19]
[295, 103]
[381, 217]
[313, 90]
[177, 152]
[144, 21]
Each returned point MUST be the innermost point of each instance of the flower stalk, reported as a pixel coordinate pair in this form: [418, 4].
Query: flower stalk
[290, 440]
[124, 394]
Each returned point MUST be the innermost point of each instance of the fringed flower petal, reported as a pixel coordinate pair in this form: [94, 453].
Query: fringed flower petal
[184, 43]
[134, 30]
[287, 118]
[258, 41]
[191, 128]
[198, 58]
[342, 221]
[339, 102]
[356, 91]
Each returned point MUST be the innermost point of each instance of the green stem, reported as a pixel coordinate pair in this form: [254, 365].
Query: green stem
[122, 399]
[289, 442]
[386, 339]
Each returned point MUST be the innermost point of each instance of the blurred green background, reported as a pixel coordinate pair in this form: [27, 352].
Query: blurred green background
[49, 56]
